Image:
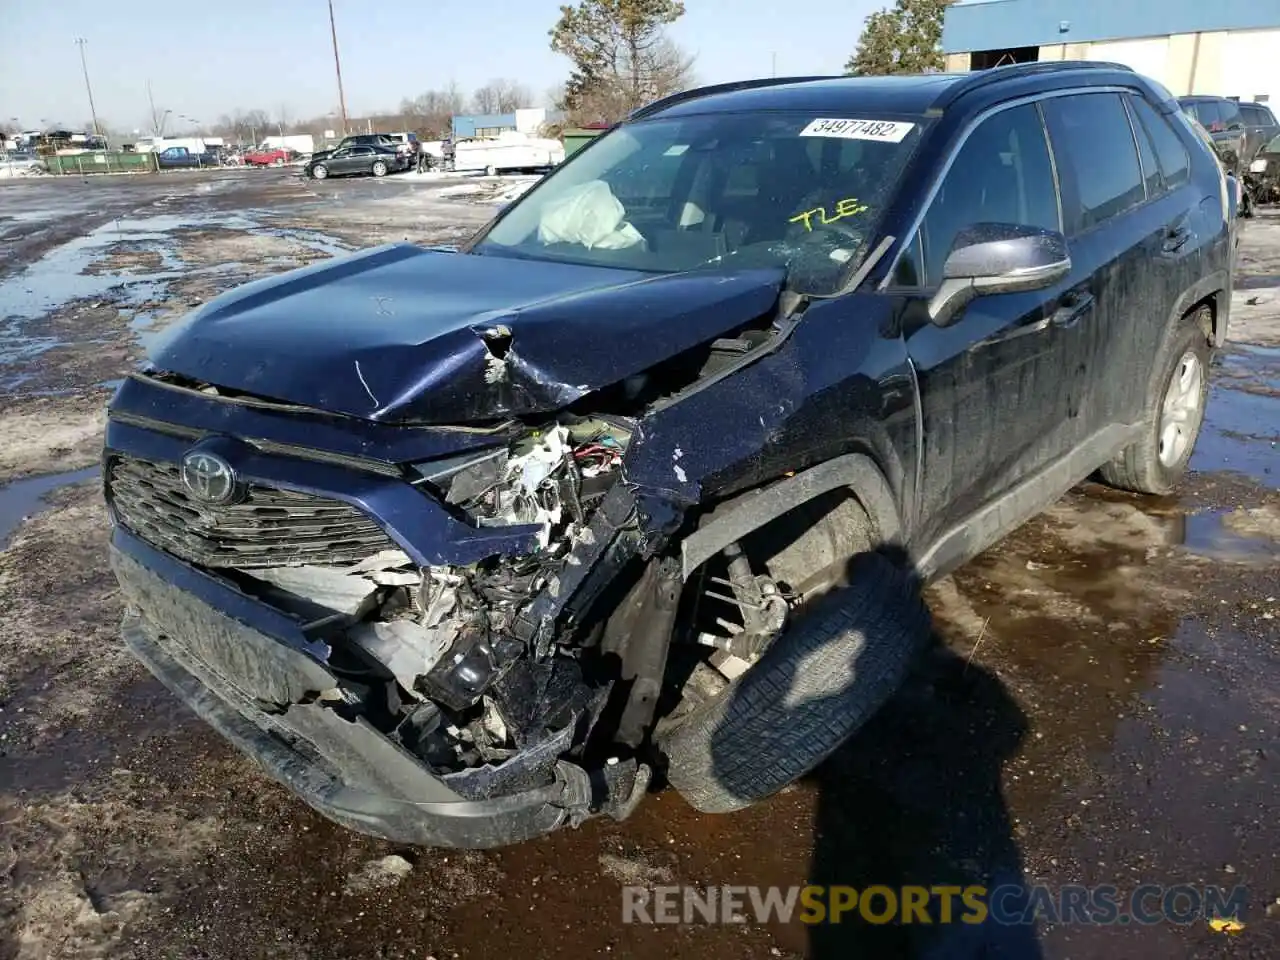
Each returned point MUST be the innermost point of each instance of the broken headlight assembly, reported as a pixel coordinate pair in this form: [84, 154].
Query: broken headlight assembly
[462, 688]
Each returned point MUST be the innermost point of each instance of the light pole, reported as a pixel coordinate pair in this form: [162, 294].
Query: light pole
[84, 65]
[337, 66]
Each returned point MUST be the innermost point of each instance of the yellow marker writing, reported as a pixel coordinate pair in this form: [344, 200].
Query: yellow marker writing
[848, 207]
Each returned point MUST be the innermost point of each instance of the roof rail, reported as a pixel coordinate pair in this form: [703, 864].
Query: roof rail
[982, 78]
[698, 92]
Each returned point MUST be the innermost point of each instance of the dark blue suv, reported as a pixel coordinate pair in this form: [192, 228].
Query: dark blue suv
[467, 545]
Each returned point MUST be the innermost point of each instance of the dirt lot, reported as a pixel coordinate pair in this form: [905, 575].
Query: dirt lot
[1106, 709]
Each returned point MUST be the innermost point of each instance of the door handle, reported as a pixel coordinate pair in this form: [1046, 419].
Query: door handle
[1176, 239]
[1071, 309]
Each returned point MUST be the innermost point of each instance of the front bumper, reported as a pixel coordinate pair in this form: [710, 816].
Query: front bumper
[247, 684]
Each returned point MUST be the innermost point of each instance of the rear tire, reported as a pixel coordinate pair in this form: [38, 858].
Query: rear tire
[814, 687]
[1173, 414]
[379, 169]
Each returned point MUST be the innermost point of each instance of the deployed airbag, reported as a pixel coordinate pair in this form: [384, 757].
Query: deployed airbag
[588, 215]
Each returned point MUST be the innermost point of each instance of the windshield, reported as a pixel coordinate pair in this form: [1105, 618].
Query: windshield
[718, 191]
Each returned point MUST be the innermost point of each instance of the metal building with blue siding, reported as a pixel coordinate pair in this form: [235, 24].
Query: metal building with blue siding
[1225, 47]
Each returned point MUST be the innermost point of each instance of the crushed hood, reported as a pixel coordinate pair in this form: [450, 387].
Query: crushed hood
[402, 333]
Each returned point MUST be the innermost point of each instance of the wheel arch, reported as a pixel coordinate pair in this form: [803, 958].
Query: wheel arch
[1212, 291]
[854, 471]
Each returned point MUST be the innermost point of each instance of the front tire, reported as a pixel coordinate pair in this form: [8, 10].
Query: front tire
[379, 169]
[1173, 414]
[811, 689]
[320, 171]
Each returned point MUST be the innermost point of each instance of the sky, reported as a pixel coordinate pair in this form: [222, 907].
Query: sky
[205, 58]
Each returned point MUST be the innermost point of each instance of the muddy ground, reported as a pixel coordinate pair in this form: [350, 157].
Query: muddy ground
[1106, 708]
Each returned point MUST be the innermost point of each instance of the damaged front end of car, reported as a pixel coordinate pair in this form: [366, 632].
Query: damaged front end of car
[310, 621]
[451, 634]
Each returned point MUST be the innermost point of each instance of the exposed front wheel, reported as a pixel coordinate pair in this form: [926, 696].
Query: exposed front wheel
[491, 171]
[320, 171]
[813, 687]
[379, 169]
[1173, 414]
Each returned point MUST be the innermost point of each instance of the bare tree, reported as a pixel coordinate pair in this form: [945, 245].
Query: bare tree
[431, 113]
[501, 96]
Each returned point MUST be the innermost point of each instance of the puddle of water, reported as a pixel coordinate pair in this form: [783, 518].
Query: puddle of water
[1239, 432]
[23, 498]
[1208, 535]
[60, 278]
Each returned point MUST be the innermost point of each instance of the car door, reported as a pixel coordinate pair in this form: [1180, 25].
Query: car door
[1129, 241]
[343, 161]
[994, 408]
[1180, 225]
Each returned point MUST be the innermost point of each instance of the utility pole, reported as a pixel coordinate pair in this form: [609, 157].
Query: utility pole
[337, 66]
[93, 111]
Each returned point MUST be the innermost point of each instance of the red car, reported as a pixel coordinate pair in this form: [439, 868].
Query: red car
[276, 157]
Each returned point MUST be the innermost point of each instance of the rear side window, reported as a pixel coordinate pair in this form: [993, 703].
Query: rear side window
[1095, 147]
[1171, 153]
[1207, 112]
[1256, 115]
[1002, 174]
[1147, 156]
[1231, 117]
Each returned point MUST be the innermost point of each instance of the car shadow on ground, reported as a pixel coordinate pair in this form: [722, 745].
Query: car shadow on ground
[914, 799]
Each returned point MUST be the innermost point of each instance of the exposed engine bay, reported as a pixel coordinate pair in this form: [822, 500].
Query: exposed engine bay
[431, 654]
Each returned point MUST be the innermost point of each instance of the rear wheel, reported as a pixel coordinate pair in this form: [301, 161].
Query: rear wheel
[379, 169]
[278, 162]
[1173, 414]
[491, 171]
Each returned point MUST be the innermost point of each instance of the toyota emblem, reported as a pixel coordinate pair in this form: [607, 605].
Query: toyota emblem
[208, 477]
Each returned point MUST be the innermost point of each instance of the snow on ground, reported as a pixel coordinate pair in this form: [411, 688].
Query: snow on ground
[473, 187]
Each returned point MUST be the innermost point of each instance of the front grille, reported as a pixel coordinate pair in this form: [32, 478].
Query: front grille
[269, 528]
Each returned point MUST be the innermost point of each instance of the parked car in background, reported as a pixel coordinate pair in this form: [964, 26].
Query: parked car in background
[172, 158]
[407, 144]
[1263, 176]
[359, 140]
[1261, 127]
[1228, 156]
[469, 546]
[269, 157]
[1225, 123]
[360, 158]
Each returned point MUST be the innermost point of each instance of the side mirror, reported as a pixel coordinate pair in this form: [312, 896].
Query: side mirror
[997, 258]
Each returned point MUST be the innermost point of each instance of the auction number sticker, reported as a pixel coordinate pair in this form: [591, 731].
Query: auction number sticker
[886, 131]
